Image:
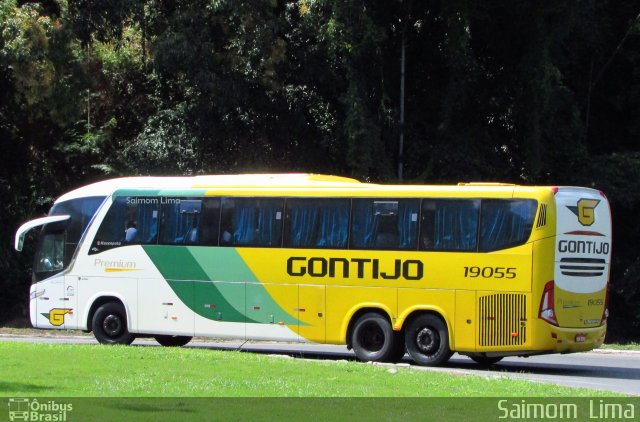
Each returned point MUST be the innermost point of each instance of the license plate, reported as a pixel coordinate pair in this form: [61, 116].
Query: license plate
[581, 338]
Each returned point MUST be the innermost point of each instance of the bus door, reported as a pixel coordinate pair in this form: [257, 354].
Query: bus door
[52, 305]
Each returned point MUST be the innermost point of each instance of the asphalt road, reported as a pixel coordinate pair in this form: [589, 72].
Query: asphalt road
[599, 370]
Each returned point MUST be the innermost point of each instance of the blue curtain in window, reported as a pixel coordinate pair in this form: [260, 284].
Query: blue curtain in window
[147, 223]
[257, 223]
[408, 223]
[506, 223]
[365, 225]
[456, 226]
[494, 227]
[244, 224]
[302, 225]
[332, 227]
[268, 229]
[318, 223]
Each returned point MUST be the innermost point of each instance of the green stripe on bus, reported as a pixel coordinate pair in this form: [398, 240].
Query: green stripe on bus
[187, 279]
[226, 264]
[222, 264]
[216, 279]
[175, 263]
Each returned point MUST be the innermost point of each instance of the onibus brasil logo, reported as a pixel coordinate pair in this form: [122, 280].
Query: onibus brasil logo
[23, 409]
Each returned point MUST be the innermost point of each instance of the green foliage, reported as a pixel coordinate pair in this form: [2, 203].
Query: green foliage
[25, 51]
[165, 146]
[525, 92]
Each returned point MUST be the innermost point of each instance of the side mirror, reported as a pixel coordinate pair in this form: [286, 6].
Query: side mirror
[22, 231]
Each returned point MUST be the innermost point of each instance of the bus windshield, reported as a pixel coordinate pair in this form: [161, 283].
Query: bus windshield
[58, 241]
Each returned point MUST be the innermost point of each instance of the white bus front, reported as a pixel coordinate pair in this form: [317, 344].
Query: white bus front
[52, 296]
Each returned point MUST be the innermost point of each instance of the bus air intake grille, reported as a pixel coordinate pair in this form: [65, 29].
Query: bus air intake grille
[542, 217]
[503, 320]
[582, 267]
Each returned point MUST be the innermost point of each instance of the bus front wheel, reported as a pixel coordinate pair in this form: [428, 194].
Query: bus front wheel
[372, 338]
[427, 340]
[173, 341]
[109, 324]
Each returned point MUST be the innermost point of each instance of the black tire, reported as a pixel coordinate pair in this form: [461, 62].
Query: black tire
[485, 360]
[427, 340]
[372, 338]
[399, 349]
[173, 341]
[109, 324]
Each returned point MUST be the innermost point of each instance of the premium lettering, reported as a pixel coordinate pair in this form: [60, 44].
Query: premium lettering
[408, 269]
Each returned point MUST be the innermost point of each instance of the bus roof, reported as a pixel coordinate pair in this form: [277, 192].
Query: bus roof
[296, 182]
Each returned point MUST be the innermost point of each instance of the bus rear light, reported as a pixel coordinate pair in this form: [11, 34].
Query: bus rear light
[547, 311]
[605, 313]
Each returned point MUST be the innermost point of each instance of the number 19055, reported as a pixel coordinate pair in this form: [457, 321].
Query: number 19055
[490, 272]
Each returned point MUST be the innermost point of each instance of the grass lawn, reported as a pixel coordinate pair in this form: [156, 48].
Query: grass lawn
[60, 370]
[619, 346]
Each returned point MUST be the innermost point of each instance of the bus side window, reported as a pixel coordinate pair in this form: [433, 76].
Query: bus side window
[506, 222]
[449, 224]
[190, 221]
[384, 224]
[210, 222]
[180, 221]
[130, 220]
[317, 223]
[251, 222]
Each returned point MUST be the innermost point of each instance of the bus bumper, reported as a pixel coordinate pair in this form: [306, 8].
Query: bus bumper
[33, 306]
[571, 340]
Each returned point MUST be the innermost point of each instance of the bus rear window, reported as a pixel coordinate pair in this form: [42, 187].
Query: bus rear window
[506, 223]
[469, 225]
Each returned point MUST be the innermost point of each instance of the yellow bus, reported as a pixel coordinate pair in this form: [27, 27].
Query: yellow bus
[483, 269]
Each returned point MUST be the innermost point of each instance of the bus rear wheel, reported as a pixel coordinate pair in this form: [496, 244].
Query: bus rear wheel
[109, 324]
[373, 338]
[173, 341]
[427, 340]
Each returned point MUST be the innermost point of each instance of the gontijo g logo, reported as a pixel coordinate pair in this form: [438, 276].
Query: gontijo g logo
[56, 315]
[585, 211]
